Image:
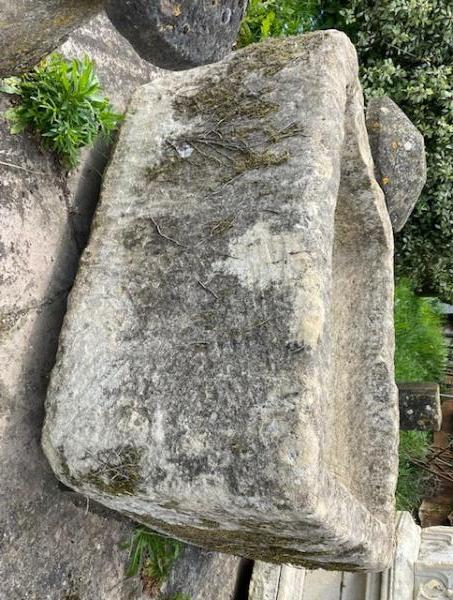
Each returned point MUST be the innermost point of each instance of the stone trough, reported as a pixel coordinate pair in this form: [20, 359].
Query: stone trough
[225, 369]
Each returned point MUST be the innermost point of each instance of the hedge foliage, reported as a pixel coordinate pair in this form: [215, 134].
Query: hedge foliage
[405, 50]
[277, 18]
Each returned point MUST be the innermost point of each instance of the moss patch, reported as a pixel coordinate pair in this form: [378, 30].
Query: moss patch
[118, 473]
[230, 115]
[255, 544]
[226, 98]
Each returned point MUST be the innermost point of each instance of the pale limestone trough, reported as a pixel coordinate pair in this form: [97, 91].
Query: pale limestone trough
[225, 370]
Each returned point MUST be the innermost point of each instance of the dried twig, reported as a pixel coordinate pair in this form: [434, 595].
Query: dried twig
[271, 210]
[166, 237]
[205, 287]
[13, 166]
[258, 325]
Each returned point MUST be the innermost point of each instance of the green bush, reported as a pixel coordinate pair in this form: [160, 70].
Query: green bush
[420, 355]
[61, 101]
[277, 18]
[405, 50]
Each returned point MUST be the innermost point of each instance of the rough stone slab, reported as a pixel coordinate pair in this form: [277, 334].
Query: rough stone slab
[53, 545]
[420, 407]
[396, 583]
[276, 582]
[203, 575]
[401, 574]
[291, 583]
[175, 35]
[32, 209]
[398, 151]
[264, 581]
[30, 29]
[237, 295]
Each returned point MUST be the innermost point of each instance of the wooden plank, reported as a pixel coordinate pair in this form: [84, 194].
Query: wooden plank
[447, 416]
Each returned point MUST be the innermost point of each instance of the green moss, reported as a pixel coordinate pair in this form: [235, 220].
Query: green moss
[118, 472]
[254, 543]
[69, 479]
[221, 226]
[248, 161]
[235, 130]
[209, 524]
[275, 135]
[226, 98]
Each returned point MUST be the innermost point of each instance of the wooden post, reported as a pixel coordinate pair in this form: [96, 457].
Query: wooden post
[420, 408]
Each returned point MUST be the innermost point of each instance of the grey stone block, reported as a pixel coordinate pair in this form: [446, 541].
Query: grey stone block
[276, 582]
[54, 545]
[30, 29]
[202, 575]
[398, 151]
[178, 35]
[225, 371]
[420, 407]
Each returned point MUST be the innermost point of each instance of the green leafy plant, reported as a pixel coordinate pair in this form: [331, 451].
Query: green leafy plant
[61, 101]
[420, 355]
[152, 554]
[277, 18]
[405, 50]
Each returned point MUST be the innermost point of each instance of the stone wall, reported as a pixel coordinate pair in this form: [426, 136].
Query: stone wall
[53, 542]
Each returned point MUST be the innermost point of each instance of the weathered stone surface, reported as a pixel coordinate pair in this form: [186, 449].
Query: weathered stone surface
[225, 371]
[178, 35]
[276, 582]
[30, 29]
[420, 407]
[434, 567]
[203, 575]
[400, 577]
[323, 585]
[53, 544]
[399, 158]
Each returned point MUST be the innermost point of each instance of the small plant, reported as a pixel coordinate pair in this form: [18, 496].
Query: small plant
[277, 18]
[412, 481]
[152, 554]
[61, 101]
